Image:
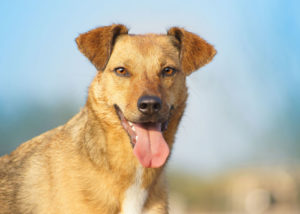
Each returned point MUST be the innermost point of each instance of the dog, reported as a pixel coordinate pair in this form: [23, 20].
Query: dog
[109, 158]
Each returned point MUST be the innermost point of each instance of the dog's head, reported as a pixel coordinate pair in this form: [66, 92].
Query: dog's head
[143, 78]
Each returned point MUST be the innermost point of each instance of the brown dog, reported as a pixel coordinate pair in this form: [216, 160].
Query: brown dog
[109, 157]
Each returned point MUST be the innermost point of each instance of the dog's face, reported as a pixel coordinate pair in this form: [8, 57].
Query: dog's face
[143, 78]
[145, 72]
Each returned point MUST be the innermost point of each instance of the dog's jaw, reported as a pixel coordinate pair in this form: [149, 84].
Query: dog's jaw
[149, 145]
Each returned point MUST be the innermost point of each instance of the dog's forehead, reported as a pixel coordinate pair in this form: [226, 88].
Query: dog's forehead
[147, 45]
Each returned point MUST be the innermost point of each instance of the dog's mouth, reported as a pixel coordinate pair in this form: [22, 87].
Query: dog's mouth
[149, 145]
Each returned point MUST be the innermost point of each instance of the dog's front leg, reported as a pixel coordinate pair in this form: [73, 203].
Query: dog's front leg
[157, 206]
[157, 210]
[157, 202]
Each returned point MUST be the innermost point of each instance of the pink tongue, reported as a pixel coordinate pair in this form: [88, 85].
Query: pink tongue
[151, 149]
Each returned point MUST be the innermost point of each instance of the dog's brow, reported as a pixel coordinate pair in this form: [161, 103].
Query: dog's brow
[127, 63]
[169, 62]
[163, 63]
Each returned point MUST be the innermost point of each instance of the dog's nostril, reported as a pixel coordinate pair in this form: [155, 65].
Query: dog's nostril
[149, 104]
[143, 106]
[156, 106]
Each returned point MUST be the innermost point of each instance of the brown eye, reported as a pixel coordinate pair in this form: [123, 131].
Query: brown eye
[120, 71]
[168, 71]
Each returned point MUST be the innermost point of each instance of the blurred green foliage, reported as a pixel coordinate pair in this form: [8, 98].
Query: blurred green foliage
[199, 193]
[30, 120]
[215, 194]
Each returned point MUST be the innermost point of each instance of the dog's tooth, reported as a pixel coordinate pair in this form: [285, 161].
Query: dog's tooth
[136, 138]
[130, 123]
[133, 128]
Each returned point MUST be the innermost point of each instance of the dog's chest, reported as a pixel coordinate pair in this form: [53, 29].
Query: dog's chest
[135, 195]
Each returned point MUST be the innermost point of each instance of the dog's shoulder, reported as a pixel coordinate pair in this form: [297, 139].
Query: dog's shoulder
[41, 143]
[29, 161]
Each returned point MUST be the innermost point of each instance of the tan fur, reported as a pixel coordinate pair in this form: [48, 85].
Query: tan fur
[86, 165]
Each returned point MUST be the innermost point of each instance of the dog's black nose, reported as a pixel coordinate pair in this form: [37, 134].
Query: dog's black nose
[149, 104]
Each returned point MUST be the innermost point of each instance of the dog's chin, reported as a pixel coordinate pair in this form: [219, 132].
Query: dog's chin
[147, 123]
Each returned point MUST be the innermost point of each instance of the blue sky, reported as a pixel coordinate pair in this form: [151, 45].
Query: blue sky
[248, 94]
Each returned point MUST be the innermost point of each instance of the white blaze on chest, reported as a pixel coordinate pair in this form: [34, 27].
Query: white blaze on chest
[135, 195]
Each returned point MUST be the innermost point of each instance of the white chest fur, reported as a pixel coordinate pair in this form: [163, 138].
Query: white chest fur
[135, 195]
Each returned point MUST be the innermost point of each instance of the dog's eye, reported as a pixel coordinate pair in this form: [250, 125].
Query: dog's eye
[120, 71]
[168, 71]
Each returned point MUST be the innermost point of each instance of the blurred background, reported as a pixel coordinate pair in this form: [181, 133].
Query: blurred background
[238, 146]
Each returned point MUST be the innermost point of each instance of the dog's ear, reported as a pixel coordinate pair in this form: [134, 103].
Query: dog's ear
[195, 52]
[97, 44]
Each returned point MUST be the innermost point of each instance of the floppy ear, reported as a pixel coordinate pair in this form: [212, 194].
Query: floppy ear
[97, 44]
[195, 52]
